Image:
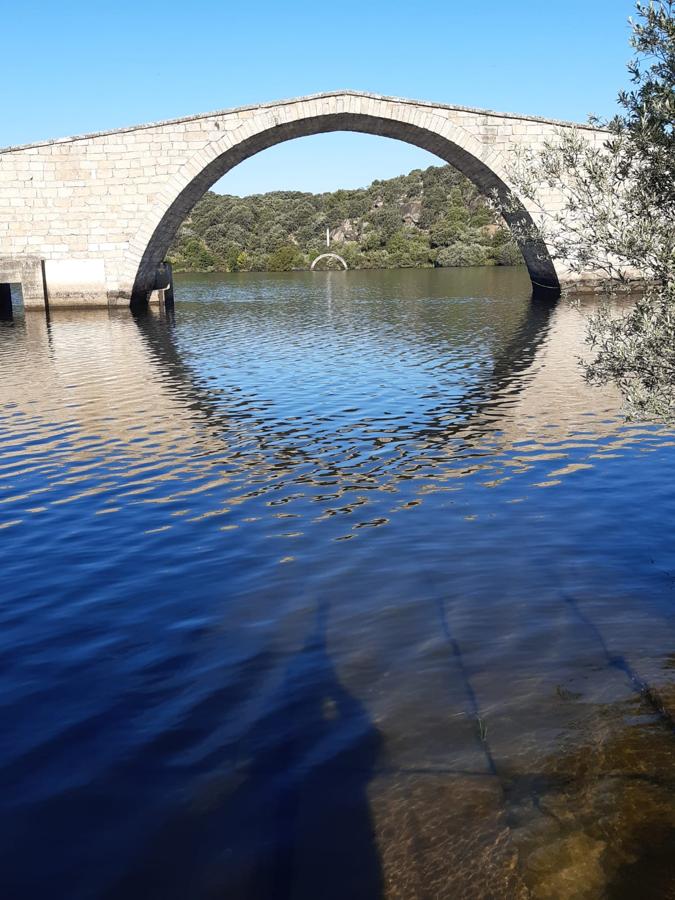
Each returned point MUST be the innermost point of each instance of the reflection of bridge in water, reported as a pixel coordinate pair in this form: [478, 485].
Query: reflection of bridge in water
[143, 402]
[503, 404]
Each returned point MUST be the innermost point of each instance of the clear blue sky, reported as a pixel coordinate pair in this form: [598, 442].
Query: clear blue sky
[76, 66]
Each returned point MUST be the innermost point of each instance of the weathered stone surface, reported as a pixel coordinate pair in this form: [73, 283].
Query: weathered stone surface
[101, 209]
[28, 272]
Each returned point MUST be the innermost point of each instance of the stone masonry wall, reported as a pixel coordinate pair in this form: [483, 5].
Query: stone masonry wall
[90, 206]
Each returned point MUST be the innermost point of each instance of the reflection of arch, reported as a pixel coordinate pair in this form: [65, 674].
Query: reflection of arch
[483, 165]
[329, 256]
[514, 357]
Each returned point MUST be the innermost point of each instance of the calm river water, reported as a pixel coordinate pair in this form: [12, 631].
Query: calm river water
[329, 586]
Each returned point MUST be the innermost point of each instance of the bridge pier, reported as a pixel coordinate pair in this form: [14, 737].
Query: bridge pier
[161, 291]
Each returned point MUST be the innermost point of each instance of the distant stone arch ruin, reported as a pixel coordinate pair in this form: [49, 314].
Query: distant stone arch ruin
[329, 256]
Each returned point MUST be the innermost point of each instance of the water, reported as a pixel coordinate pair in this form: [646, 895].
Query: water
[331, 585]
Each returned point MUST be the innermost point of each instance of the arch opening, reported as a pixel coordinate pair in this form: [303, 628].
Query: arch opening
[166, 219]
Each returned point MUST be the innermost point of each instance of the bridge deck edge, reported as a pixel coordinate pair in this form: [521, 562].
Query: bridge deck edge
[14, 148]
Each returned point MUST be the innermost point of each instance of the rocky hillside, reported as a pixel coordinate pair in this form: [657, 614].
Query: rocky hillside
[433, 217]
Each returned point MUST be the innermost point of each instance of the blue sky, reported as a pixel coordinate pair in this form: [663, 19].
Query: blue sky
[75, 66]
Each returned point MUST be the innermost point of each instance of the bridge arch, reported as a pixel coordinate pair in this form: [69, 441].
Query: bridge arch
[329, 256]
[484, 166]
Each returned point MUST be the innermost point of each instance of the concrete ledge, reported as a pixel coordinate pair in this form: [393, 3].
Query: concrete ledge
[76, 282]
[28, 271]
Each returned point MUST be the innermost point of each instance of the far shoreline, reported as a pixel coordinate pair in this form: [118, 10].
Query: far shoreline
[210, 271]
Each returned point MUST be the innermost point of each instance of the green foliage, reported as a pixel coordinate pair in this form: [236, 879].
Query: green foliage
[243, 263]
[506, 254]
[464, 255]
[192, 255]
[636, 351]
[617, 217]
[285, 259]
[426, 218]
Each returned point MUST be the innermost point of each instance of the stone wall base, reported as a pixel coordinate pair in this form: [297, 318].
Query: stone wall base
[81, 284]
[74, 283]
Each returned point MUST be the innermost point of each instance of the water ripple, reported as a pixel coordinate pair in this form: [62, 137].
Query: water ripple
[326, 567]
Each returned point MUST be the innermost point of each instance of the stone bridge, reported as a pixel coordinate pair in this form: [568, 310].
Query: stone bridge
[87, 221]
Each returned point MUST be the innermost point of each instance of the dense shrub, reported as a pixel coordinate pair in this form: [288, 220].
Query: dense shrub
[426, 218]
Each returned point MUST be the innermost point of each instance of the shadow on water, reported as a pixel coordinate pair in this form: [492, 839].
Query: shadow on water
[291, 818]
[6, 310]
